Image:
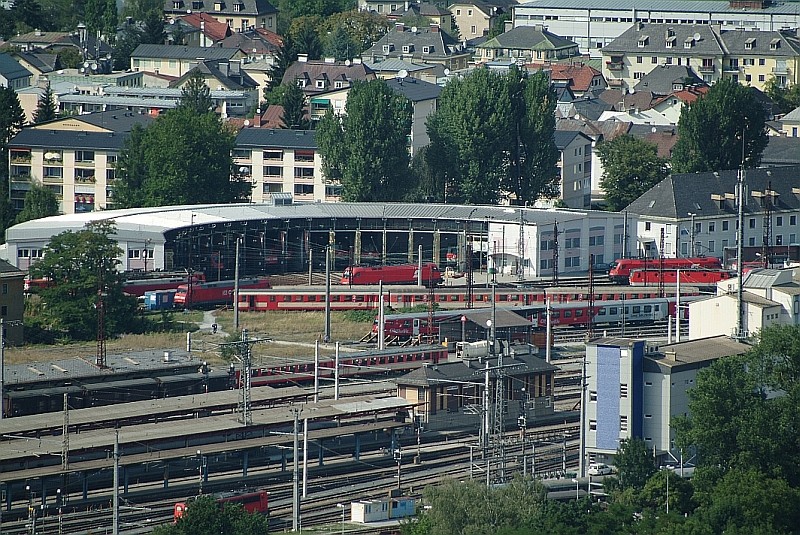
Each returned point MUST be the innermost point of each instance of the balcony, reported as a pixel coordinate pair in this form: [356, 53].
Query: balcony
[780, 70]
[52, 180]
[707, 68]
[84, 180]
[20, 157]
[20, 177]
[731, 68]
[615, 65]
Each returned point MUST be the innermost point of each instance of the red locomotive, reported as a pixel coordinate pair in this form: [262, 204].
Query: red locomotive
[138, 286]
[620, 271]
[401, 274]
[214, 293]
[695, 277]
[253, 502]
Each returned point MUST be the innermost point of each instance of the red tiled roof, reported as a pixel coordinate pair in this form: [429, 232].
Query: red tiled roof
[581, 75]
[214, 29]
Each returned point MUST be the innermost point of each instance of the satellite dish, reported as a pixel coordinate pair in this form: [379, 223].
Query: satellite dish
[86, 64]
[172, 21]
[347, 62]
[447, 72]
[632, 91]
[247, 122]
[94, 66]
[696, 36]
[654, 130]
[188, 11]
[402, 74]
[414, 29]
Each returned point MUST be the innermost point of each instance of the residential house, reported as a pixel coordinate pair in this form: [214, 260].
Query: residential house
[281, 162]
[575, 168]
[391, 68]
[527, 44]
[259, 44]
[38, 63]
[425, 45]
[700, 208]
[74, 157]
[753, 57]
[770, 297]
[790, 123]
[595, 26]
[222, 76]
[435, 15]
[579, 77]
[423, 97]
[239, 15]
[198, 29]
[326, 83]
[92, 49]
[671, 106]
[475, 18]
[644, 47]
[781, 151]
[12, 303]
[175, 61]
[12, 74]
[634, 391]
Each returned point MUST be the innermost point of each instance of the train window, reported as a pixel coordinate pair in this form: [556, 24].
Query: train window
[637, 309]
[613, 311]
[657, 308]
[556, 314]
[312, 298]
[627, 310]
[271, 298]
[567, 313]
[648, 309]
[578, 313]
[601, 311]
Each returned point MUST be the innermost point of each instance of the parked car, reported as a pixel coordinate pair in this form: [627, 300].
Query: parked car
[599, 469]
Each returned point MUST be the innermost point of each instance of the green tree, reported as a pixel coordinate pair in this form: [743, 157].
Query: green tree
[126, 43]
[12, 117]
[39, 202]
[631, 166]
[289, 10]
[46, 107]
[787, 98]
[304, 35]
[710, 130]
[367, 146]
[93, 13]
[634, 462]
[499, 26]
[110, 19]
[365, 28]
[139, 9]
[181, 158]
[294, 108]
[284, 57]
[69, 57]
[196, 95]
[470, 134]
[28, 14]
[205, 517]
[340, 46]
[153, 32]
[82, 264]
[533, 166]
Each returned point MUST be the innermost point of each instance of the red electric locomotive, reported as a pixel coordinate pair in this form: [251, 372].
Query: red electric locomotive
[253, 502]
[214, 293]
[401, 274]
[620, 271]
[695, 277]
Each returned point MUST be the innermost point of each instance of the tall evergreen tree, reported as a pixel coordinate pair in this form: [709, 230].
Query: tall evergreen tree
[195, 94]
[12, 117]
[631, 166]
[340, 45]
[294, 108]
[304, 33]
[367, 146]
[717, 129]
[153, 32]
[46, 107]
[284, 57]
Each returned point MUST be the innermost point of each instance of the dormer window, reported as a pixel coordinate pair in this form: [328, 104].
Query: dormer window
[339, 84]
[427, 49]
[670, 42]
[197, 5]
[688, 43]
[177, 4]
[321, 84]
[388, 48]
[238, 7]
[407, 49]
[775, 44]
[219, 6]
[643, 41]
[750, 43]
[301, 82]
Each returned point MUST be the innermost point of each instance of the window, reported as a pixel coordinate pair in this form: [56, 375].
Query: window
[712, 226]
[304, 156]
[273, 170]
[592, 395]
[752, 222]
[792, 219]
[779, 239]
[427, 49]
[711, 245]
[725, 226]
[474, 29]
[779, 221]
[592, 425]
[647, 225]
[752, 242]
[5, 288]
[304, 172]
[272, 188]
[83, 176]
[623, 423]
[596, 240]
[84, 155]
[623, 390]
[639, 59]
[698, 228]
[53, 172]
[304, 189]
[654, 60]
[273, 154]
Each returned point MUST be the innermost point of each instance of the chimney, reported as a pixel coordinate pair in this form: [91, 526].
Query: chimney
[302, 58]
[202, 33]
[257, 119]
[330, 60]
[671, 356]
[399, 27]
[434, 27]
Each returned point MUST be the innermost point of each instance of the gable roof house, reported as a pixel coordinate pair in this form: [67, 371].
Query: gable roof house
[426, 45]
[12, 74]
[259, 44]
[239, 15]
[90, 47]
[423, 97]
[790, 123]
[528, 44]
[38, 63]
[199, 29]
[436, 15]
[579, 77]
[643, 47]
[575, 166]
[753, 57]
[474, 18]
[171, 60]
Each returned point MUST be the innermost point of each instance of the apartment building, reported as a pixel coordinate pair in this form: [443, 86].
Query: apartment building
[74, 157]
[282, 161]
[698, 213]
[239, 15]
[575, 166]
[595, 25]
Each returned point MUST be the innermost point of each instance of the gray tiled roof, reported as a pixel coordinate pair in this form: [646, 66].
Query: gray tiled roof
[679, 194]
[423, 37]
[40, 60]
[760, 43]
[314, 70]
[473, 370]
[528, 38]
[564, 137]
[11, 69]
[116, 121]
[66, 139]
[661, 79]
[655, 38]
[249, 7]
[277, 138]
[781, 150]
[681, 6]
[413, 89]
[184, 52]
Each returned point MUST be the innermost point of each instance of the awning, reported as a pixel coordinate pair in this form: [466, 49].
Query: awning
[320, 101]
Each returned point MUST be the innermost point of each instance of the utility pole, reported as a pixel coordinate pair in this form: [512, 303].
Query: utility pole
[766, 245]
[661, 266]
[499, 390]
[555, 254]
[739, 260]
[521, 247]
[548, 331]
[295, 472]
[65, 435]
[115, 507]
[236, 288]
[100, 358]
[243, 348]
[590, 308]
[327, 337]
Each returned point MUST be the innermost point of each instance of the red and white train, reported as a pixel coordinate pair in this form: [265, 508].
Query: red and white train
[306, 298]
[400, 274]
[621, 269]
[252, 502]
[375, 362]
[215, 293]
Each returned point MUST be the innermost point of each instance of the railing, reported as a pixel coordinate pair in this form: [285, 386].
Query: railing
[85, 180]
[707, 68]
[615, 66]
[21, 158]
[20, 177]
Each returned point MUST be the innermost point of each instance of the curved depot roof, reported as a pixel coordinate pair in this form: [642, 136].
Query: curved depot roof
[152, 223]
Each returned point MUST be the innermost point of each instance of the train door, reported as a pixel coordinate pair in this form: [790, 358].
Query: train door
[416, 326]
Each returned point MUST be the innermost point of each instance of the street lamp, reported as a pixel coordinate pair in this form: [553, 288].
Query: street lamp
[343, 507]
[59, 499]
[489, 338]
[577, 489]
[202, 470]
[398, 456]
[692, 233]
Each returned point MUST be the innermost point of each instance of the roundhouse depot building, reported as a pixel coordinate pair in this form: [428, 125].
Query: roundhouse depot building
[278, 238]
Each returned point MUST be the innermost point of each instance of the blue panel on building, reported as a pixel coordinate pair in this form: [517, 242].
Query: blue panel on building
[608, 362]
